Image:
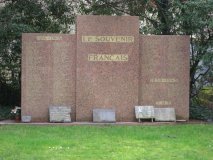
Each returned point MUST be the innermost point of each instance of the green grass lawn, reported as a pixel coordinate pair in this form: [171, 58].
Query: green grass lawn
[168, 142]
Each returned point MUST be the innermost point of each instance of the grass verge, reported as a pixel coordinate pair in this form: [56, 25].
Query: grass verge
[173, 142]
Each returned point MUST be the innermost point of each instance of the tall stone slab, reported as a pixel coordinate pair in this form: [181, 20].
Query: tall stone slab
[107, 65]
[48, 73]
[164, 73]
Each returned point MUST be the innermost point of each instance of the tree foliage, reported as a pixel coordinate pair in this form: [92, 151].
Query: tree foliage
[161, 17]
[171, 17]
[22, 16]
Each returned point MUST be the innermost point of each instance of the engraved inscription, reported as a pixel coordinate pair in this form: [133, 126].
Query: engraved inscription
[59, 113]
[164, 80]
[48, 38]
[107, 57]
[116, 39]
[163, 102]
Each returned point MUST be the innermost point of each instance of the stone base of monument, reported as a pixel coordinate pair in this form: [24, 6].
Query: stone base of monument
[144, 112]
[26, 119]
[104, 115]
[165, 114]
[59, 114]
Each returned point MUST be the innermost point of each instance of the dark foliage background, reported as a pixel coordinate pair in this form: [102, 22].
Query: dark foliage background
[161, 17]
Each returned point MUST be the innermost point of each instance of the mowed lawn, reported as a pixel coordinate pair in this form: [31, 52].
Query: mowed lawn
[108, 142]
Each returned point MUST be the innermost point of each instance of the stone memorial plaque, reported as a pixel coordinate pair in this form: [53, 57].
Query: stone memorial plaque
[104, 115]
[164, 74]
[48, 73]
[26, 119]
[59, 114]
[144, 112]
[165, 114]
[107, 65]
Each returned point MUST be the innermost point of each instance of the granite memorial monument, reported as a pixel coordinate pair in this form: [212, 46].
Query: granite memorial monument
[106, 65]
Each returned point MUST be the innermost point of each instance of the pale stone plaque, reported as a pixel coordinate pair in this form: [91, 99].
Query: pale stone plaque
[104, 115]
[165, 114]
[60, 114]
[26, 119]
[144, 112]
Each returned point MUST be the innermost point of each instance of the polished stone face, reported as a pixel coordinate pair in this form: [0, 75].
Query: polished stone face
[48, 73]
[107, 65]
[164, 73]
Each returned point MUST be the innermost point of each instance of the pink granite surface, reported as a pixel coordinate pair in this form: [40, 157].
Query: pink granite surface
[111, 84]
[164, 73]
[48, 73]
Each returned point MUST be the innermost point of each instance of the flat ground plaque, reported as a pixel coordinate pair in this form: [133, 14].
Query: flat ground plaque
[165, 114]
[60, 114]
[104, 115]
[26, 119]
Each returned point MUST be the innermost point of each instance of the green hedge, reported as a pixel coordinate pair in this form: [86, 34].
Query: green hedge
[201, 112]
[5, 112]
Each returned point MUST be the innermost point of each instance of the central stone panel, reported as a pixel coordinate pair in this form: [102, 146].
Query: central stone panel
[107, 66]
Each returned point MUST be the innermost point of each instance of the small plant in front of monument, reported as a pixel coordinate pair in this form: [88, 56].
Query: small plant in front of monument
[16, 112]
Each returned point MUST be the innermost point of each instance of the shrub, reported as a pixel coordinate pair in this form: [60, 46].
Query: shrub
[201, 112]
[5, 112]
